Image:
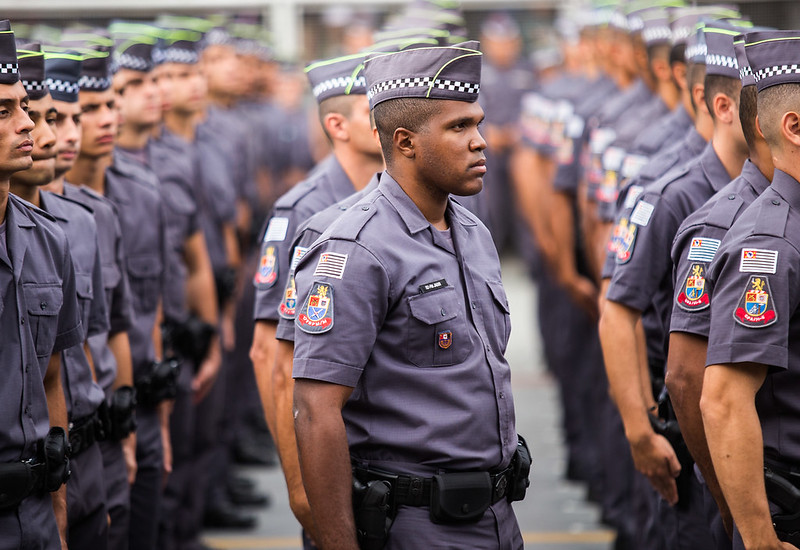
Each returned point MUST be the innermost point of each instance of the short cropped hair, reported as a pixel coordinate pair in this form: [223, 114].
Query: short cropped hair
[411, 113]
[718, 84]
[748, 109]
[695, 74]
[339, 104]
[773, 103]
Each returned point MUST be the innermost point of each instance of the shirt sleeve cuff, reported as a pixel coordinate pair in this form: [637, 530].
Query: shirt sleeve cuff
[773, 356]
[326, 371]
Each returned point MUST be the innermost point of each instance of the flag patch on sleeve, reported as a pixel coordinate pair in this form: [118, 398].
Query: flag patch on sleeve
[703, 249]
[331, 264]
[276, 230]
[755, 260]
[642, 212]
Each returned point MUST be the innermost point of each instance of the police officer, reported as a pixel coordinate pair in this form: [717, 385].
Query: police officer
[748, 400]
[39, 319]
[190, 304]
[642, 286]
[405, 286]
[340, 90]
[86, 514]
[692, 252]
[134, 189]
[82, 90]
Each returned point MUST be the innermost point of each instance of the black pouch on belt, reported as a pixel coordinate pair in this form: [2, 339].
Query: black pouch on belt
[16, 483]
[56, 459]
[460, 497]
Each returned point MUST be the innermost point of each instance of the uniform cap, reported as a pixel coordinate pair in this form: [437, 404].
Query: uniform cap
[96, 71]
[450, 72]
[62, 74]
[182, 46]
[397, 44]
[720, 55]
[335, 77]
[696, 46]
[656, 29]
[134, 51]
[9, 69]
[774, 57]
[745, 72]
[31, 70]
[685, 20]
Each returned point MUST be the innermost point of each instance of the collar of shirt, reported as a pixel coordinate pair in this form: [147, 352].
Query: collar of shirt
[787, 187]
[713, 169]
[51, 205]
[408, 210]
[754, 177]
[340, 185]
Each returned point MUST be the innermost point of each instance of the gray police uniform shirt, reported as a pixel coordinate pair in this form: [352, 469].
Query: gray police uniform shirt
[83, 394]
[643, 276]
[305, 236]
[417, 324]
[328, 185]
[755, 284]
[39, 316]
[680, 154]
[134, 189]
[171, 160]
[215, 189]
[696, 244]
[115, 280]
[502, 90]
[667, 130]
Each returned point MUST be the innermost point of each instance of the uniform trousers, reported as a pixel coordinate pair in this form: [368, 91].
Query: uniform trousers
[31, 526]
[87, 514]
[147, 489]
[118, 501]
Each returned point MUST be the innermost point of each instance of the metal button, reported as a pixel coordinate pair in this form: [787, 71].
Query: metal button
[731, 197]
[474, 304]
[365, 208]
[443, 313]
[776, 202]
[27, 368]
[43, 305]
[23, 321]
[502, 395]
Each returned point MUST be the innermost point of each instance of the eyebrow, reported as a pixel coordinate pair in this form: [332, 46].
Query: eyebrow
[52, 110]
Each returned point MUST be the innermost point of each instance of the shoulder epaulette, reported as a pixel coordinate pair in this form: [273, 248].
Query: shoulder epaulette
[292, 196]
[772, 216]
[723, 212]
[350, 226]
[73, 201]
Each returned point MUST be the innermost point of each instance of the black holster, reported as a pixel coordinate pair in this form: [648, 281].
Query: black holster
[520, 471]
[160, 383]
[666, 425]
[225, 280]
[782, 491]
[55, 454]
[372, 513]
[119, 418]
[190, 339]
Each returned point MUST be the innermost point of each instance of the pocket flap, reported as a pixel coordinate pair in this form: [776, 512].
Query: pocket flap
[43, 300]
[435, 307]
[499, 294]
[144, 267]
[111, 276]
[83, 286]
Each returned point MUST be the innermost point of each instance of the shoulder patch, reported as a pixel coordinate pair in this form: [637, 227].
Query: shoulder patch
[642, 212]
[693, 295]
[316, 315]
[288, 307]
[276, 229]
[755, 260]
[755, 308]
[624, 239]
[331, 264]
[267, 272]
[703, 249]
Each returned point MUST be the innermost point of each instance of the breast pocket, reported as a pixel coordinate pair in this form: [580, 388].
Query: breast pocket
[501, 314]
[437, 329]
[43, 303]
[144, 277]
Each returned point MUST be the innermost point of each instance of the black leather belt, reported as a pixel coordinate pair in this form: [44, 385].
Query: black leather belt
[83, 434]
[416, 491]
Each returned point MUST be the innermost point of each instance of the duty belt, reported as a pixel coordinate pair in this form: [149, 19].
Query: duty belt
[84, 433]
[416, 491]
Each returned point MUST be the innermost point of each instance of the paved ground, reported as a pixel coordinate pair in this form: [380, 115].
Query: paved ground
[554, 516]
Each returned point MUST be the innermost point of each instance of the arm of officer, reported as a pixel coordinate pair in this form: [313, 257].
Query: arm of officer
[325, 460]
[736, 444]
[582, 290]
[262, 354]
[202, 300]
[685, 371]
[533, 194]
[285, 439]
[57, 409]
[652, 453]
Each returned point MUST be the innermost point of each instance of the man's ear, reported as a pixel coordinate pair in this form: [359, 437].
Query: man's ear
[790, 128]
[699, 96]
[403, 140]
[725, 108]
[337, 126]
